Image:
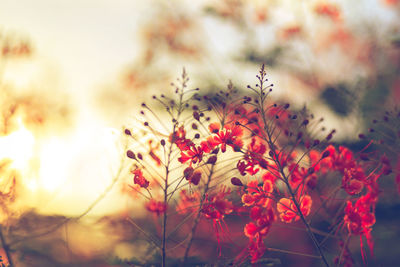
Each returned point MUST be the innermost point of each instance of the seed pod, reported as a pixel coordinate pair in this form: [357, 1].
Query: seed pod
[130, 154]
[236, 181]
[212, 160]
[188, 172]
[325, 154]
[195, 179]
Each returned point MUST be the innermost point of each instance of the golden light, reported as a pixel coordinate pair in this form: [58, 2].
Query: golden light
[18, 147]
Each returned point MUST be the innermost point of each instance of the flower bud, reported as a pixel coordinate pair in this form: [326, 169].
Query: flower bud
[195, 179]
[212, 160]
[130, 154]
[236, 181]
[188, 172]
[325, 154]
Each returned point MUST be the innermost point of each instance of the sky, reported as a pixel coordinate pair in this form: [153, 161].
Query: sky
[76, 49]
[86, 42]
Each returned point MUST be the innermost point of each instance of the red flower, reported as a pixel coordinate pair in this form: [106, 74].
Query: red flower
[320, 164]
[391, 2]
[229, 135]
[289, 32]
[256, 249]
[360, 218]
[139, 178]
[255, 231]
[216, 207]
[344, 159]
[329, 10]
[288, 211]
[187, 203]
[179, 138]
[192, 153]
[301, 175]
[353, 181]
[258, 195]
[157, 207]
[253, 157]
[263, 219]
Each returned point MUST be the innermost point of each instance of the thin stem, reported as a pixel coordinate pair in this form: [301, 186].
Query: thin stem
[294, 253]
[6, 248]
[262, 97]
[310, 233]
[198, 215]
[151, 238]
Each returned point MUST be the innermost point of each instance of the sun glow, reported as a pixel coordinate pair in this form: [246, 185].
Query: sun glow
[65, 173]
[18, 147]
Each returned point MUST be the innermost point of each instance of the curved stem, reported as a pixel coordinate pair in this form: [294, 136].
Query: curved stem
[269, 139]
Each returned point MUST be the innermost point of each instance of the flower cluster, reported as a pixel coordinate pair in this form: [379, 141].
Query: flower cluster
[288, 176]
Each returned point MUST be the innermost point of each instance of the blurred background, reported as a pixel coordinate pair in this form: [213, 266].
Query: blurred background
[73, 74]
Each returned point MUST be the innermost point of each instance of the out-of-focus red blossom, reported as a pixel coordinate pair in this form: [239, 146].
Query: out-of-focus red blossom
[157, 207]
[345, 39]
[398, 174]
[344, 159]
[289, 32]
[229, 135]
[329, 10]
[152, 152]
[216, 207]
[229, 9]
[279, 114]
[360, 218]
[170, 32]
[288, 211]
[398, 182]
[256, 249]
[16, 50]
[353, 180]
[345, 258]
[391, 2]
[139, 179]
[263, 219]
[187, 202]
[260, 15]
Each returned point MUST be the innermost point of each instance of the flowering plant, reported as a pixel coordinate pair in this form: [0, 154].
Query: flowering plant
[291, 175]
